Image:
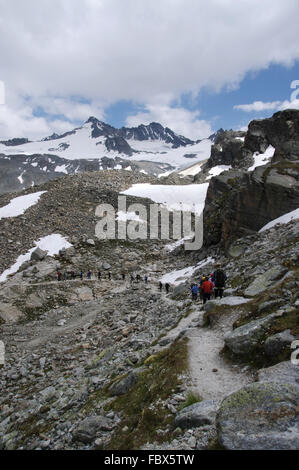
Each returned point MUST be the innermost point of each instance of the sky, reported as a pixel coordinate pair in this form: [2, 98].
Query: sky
[192, 65]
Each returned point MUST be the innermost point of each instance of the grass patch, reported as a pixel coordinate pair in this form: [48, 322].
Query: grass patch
[191, 399]
[141, 408]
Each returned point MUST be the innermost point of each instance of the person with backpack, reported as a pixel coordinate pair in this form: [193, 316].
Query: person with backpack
[99, 275]
[194, 290]
[207, 289]
[167, 286]
[89, 274]
[59, 276]
[81, 275]
[160, 286]
[219, 281]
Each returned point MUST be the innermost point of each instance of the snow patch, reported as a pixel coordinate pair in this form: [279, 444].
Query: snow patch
[19, 205]
[262, 158]
[283, 219]
[51, 244]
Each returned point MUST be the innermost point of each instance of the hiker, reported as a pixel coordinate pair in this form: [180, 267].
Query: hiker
[64, 276]
[160, 286]
[202, 279]
[73, 275]
[123, 276]
[219, 281]
[81, 275]
[167, 286]
[194, 290]
[109, 276]
[89, 274]
[132, 278]
[99, 275]
[145, 279]
[207, 289]
[138, 277]
[59, 276]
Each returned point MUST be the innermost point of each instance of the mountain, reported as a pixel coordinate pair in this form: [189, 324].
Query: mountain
[94, 146]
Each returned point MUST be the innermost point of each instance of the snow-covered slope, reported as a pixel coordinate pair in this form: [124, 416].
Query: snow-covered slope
[97, 140]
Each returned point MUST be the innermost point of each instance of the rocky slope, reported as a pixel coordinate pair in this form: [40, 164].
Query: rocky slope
[240, 202]
[110, 364]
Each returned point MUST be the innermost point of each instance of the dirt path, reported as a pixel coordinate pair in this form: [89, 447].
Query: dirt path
[211, 376]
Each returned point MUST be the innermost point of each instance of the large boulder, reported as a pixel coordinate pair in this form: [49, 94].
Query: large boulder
[198, 414]
[265, 280]
[260, 416]
[246, 338]
[284, 372]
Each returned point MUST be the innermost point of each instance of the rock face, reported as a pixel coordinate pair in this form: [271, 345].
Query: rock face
[260, 416]
[240, 203]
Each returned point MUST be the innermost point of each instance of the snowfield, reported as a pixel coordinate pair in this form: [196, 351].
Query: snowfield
[283, 219]
[51, 244]
[19, 205]
[189, 197]
[81, 145]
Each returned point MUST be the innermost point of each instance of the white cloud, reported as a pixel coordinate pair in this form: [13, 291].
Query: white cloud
[180, 120]
[260, 106]
[110, 50]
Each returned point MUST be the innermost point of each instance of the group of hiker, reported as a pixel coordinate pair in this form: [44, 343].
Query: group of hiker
[214, 283]
[204, 289]
[107, 275]
[167, 287]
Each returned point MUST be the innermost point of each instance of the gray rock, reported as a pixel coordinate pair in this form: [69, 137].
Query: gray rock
[260, 416]
[106, 266]
[89, 428]
[196, 415]
[90, 242]
[284, 372]
[38, 255]
[275, 344]
[265, 280]
[244, 339]
[179, 291]
[124, 385]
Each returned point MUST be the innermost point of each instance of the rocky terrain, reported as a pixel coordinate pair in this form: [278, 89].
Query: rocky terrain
[112, 363]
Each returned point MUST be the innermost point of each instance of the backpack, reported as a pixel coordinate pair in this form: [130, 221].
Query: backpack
[219, 278]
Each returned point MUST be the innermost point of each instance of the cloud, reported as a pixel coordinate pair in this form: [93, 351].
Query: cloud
[260, 106]
[109, 50]
[180, 120]
[21, 122]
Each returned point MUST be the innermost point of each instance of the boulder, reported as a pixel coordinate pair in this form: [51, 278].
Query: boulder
[124, 385]
[243, 340]
[276, 344]
[260, 416]
[284, 372]
[198, 414]
[265, 280]
[90, 427]
[38, 255]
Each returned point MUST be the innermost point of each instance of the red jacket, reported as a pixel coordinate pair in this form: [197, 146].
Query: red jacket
[207, 287]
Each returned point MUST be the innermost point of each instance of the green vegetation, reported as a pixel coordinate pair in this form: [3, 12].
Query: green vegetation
[141, 408]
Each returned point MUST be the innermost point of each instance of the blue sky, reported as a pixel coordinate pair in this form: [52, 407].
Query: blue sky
[191, 65]
[268, 86]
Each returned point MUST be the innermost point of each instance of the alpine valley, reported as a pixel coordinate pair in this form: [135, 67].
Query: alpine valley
[109, 360]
